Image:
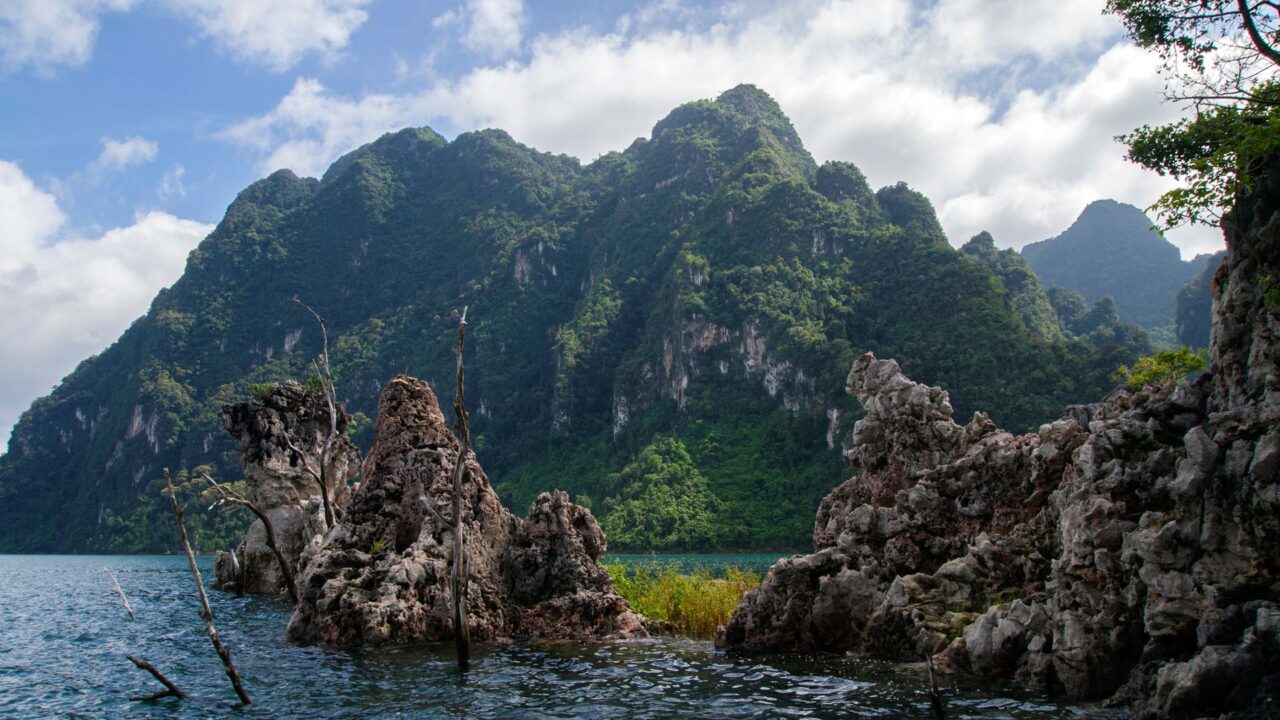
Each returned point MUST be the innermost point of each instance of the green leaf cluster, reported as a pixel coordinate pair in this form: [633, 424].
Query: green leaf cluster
[1163, 367]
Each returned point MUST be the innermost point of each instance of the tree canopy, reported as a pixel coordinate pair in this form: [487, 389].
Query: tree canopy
[1220, 56]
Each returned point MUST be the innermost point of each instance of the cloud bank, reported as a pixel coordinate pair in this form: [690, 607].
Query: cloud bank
[1003, 113]
[47, 34]
[69, 299]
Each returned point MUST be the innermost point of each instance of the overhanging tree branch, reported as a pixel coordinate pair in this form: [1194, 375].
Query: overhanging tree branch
[1251, 26]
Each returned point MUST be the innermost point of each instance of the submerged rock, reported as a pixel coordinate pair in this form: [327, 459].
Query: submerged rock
[1129, 550]
[381, 575]
[276, 481]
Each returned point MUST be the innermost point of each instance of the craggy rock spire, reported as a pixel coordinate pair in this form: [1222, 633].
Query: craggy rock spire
[1129, 550]
[381, 575]
[276, 482]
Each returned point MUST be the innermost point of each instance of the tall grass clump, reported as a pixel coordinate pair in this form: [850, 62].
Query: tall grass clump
[695, 604]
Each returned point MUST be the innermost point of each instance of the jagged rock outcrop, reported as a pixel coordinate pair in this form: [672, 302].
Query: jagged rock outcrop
[1126, 551]
[276, 481]
[381, 575]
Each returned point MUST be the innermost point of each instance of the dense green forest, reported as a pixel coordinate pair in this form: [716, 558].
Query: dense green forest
[663, 332]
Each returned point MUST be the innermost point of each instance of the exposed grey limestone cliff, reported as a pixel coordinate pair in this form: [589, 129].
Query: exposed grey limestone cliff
[381, 575]
[1128, 551]
[276, 481]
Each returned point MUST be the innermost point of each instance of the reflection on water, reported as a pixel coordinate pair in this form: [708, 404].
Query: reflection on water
[64, 634]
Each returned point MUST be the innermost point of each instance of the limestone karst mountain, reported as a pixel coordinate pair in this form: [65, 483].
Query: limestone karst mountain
[703, 291]
[1112, 249]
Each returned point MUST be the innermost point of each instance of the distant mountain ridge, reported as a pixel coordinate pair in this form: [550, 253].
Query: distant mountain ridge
[664, 329]
[1112, 249]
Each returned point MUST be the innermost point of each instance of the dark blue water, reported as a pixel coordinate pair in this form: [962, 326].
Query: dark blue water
[64, 635]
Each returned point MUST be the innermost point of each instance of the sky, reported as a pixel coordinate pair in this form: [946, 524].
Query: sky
[128, 126]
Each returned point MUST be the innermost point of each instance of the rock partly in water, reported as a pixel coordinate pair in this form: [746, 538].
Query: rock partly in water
[1129, 550]
[381, 575]
[276, 482]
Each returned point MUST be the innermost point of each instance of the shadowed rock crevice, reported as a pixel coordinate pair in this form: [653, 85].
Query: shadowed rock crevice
[381, 574]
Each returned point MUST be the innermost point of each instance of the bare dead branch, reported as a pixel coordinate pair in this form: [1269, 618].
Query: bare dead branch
[120, 591]
[206, 613]
[458, 577]
[171, 689]
[325, 373]
[231, 497]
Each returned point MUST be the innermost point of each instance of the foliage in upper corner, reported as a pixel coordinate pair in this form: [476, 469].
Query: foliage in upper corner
[1214, 155]
[1218, 57]
[1163, 367]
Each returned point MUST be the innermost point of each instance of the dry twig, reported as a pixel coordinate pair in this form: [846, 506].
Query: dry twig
[324, 372]
[120, 591]
[171, 689]
[206, 613]
[458, 577]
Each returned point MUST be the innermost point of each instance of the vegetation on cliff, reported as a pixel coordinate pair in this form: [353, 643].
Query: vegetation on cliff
[709, 284]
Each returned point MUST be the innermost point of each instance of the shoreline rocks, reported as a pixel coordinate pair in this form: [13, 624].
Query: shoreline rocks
[1129, 551]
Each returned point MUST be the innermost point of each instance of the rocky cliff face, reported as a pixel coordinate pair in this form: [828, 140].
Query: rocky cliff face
[276, 481]
[381, 574]
[1126, 551]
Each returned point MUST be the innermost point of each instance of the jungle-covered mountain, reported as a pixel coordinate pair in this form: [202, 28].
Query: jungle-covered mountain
[1112, 249]
[664, 332]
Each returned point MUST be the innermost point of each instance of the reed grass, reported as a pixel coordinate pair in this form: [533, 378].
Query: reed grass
[695, 604]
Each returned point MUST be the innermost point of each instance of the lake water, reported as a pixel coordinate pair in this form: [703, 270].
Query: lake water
[64, 635]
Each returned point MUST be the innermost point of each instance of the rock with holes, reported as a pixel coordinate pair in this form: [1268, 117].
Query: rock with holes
[381, 576]
[277, 481]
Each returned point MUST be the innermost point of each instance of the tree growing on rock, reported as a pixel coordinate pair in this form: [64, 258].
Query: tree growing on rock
[1221, 58]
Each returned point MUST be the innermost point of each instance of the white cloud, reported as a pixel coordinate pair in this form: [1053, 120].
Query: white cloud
[121, 154]
[171, 183]
[65, 298]
[48, 33]
[494, 26]
[276, 33]
[1003, 113]
[44, 34]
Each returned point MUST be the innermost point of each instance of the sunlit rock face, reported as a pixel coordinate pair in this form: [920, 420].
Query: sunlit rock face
[1128, 550]
[278, 483]
[381, 575]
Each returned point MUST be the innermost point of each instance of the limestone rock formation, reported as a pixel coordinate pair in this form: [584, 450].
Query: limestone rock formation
[276, 482]
[1126, 551]
[381, 575]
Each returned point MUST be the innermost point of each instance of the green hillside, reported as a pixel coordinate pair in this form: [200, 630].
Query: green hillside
[664, 332]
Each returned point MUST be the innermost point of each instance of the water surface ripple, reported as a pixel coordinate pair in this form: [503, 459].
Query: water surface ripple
[64, 635]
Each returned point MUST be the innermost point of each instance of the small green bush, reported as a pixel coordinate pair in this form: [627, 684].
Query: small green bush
[1158, 369]
[695, 604]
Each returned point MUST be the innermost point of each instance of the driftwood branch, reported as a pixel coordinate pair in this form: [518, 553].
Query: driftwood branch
[206, 613]
[325, 373]
[227, 496]
[120, 591]
[458, 577]
[171, 689]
